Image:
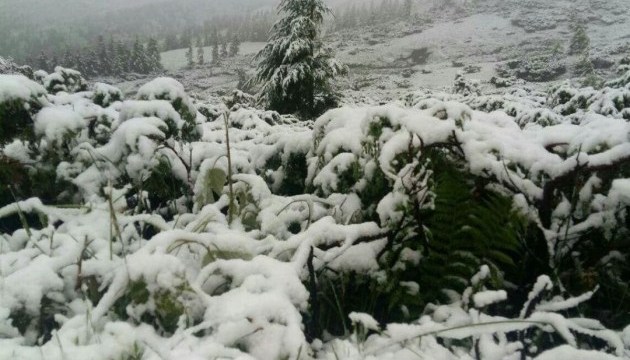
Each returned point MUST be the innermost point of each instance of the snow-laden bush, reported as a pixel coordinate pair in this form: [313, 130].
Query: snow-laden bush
[171, 90]
[541, 68]
[105, 95]
[66, 80]
[302, 240]
[20, 98]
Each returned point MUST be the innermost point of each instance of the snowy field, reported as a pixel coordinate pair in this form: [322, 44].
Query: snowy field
[379, 56]
[162, 257]
[176, 59]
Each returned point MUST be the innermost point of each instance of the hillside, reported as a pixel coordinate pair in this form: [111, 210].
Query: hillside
[428, 51]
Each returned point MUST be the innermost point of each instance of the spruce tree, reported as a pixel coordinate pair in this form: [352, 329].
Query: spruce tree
[120, 63]
[224, 49]
[584, 65]
[407, 8]
[235, 46]
[580, 41]
[215, 53]
[67, 60]
[294, 68]
[139, 58]
[104, 62]
[200, 52]
[190, 55]
[42, 62]
[153, 55]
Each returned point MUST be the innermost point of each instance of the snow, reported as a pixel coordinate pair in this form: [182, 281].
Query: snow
[365, 320]
[568, 352]
[19, 87]
[485, 298]
[165, 88]
[55, 124]
[244, 284]
[176, 59]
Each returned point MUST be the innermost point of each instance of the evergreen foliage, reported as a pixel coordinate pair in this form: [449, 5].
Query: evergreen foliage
[295, 69]
[113, 58]
[200, 53]
[190, 55]
[580, 41]
[216, 58]
[235, 45]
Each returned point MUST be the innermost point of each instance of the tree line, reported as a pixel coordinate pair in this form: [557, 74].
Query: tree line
[221, 50]
[253, 27]
[112, 57]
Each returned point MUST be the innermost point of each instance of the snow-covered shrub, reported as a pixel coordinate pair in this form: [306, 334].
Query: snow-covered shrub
[501, 82]
[104, 95]
[623, 81]
[239, 99]
[212, 112]
[171, 90]
[66, 80]
[541, 68]
[465, 87]
[470, 326]
[20, 99]
[8, 67]
[276, 243]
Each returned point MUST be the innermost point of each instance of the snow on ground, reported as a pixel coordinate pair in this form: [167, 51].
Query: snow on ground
[93, 281]
[174, 60]
[381, 69]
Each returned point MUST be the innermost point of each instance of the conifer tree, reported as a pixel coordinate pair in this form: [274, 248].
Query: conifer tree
[580, 41]
[153, 55]
[200, 52]
[190, 55]
[67, 60]
[584, 65]
[92, 63]
[104, 62]
[235, 46]
[120, 63]
[295, 69]
[42, 62]
[407, 8]
[215, 53]
[224, 49]
[139, 58]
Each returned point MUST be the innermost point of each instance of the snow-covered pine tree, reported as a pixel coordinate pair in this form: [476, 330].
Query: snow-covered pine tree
[295, 69]
[92, 63]
[235, 46]
[200, 52]
[224, 49]
[153, 55]
[407, 8]
[216, 59]
[580, 41]
[42, 62]
[104, 62]
[121, 61]
[190, 58]
[139, 58]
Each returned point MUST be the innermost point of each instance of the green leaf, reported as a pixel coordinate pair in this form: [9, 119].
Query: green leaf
[214, 183]
[215, 180]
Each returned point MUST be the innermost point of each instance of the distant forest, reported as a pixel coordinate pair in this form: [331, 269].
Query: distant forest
[135, 48]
